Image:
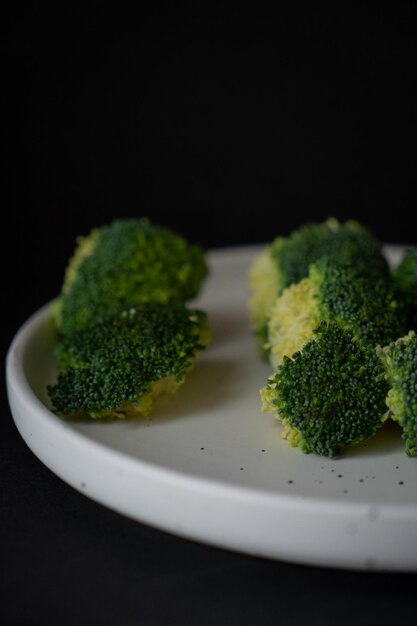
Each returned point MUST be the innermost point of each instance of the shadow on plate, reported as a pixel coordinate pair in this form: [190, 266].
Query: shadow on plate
[209, 385]
[386, 441]
[226, 325]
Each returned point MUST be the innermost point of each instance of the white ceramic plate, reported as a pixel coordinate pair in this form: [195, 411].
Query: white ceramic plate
[208, 465]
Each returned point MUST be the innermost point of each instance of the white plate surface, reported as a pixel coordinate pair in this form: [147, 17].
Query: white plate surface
[208, 465]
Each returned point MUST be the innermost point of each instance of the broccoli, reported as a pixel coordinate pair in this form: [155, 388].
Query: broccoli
[405, 285]
[117, 367]
[400, 364]
[287, 260]
[332, 292]
[330, 394]
[125, 264]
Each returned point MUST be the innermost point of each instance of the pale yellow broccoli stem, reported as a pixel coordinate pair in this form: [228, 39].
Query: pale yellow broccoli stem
[263, 286]
[267, 398]
[332, 223]
[142, 406]
[291, 434]
[291, 321]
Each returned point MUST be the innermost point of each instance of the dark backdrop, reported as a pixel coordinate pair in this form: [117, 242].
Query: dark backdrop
[229, 125]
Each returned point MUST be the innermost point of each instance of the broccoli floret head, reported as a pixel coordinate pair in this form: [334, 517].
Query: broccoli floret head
[330, 394]
[287, 260]
[118, 367]
[332, 292]
[349, 243]
[405, 284]
[400, 363]
[125, 264]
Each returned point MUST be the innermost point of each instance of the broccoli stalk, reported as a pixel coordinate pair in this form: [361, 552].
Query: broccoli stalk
[119, 366]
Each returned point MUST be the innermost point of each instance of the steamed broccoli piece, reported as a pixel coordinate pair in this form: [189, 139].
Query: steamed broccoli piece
[405, 284]
[330, 394]
[119, 366]
[287, 260]
[400, 364]
[332, 292]
[126, 264]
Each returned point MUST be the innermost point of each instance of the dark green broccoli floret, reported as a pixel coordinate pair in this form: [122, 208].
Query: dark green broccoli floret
[117, 367]
[400, 363]
[125, 264]
[287, 260]
[332, 292]
[330, 394]
[405, 284]
[349, 243]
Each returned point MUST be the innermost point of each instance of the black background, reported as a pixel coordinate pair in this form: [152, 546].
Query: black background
[231, 126]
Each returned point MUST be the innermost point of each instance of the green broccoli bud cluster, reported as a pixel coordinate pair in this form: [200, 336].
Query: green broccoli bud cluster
[330, 394]
[337, 391]
[125, 333]
[286, 261]
[349, 243]
[126, 264]
[117, 367]
[332, 292]
[334, 385]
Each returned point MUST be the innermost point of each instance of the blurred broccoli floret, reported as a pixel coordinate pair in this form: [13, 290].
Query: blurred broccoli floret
[125, 264]
[119, 366]
[405, 284]
[400, 363]
[330, 394]
[332, 292]
[287, 260]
